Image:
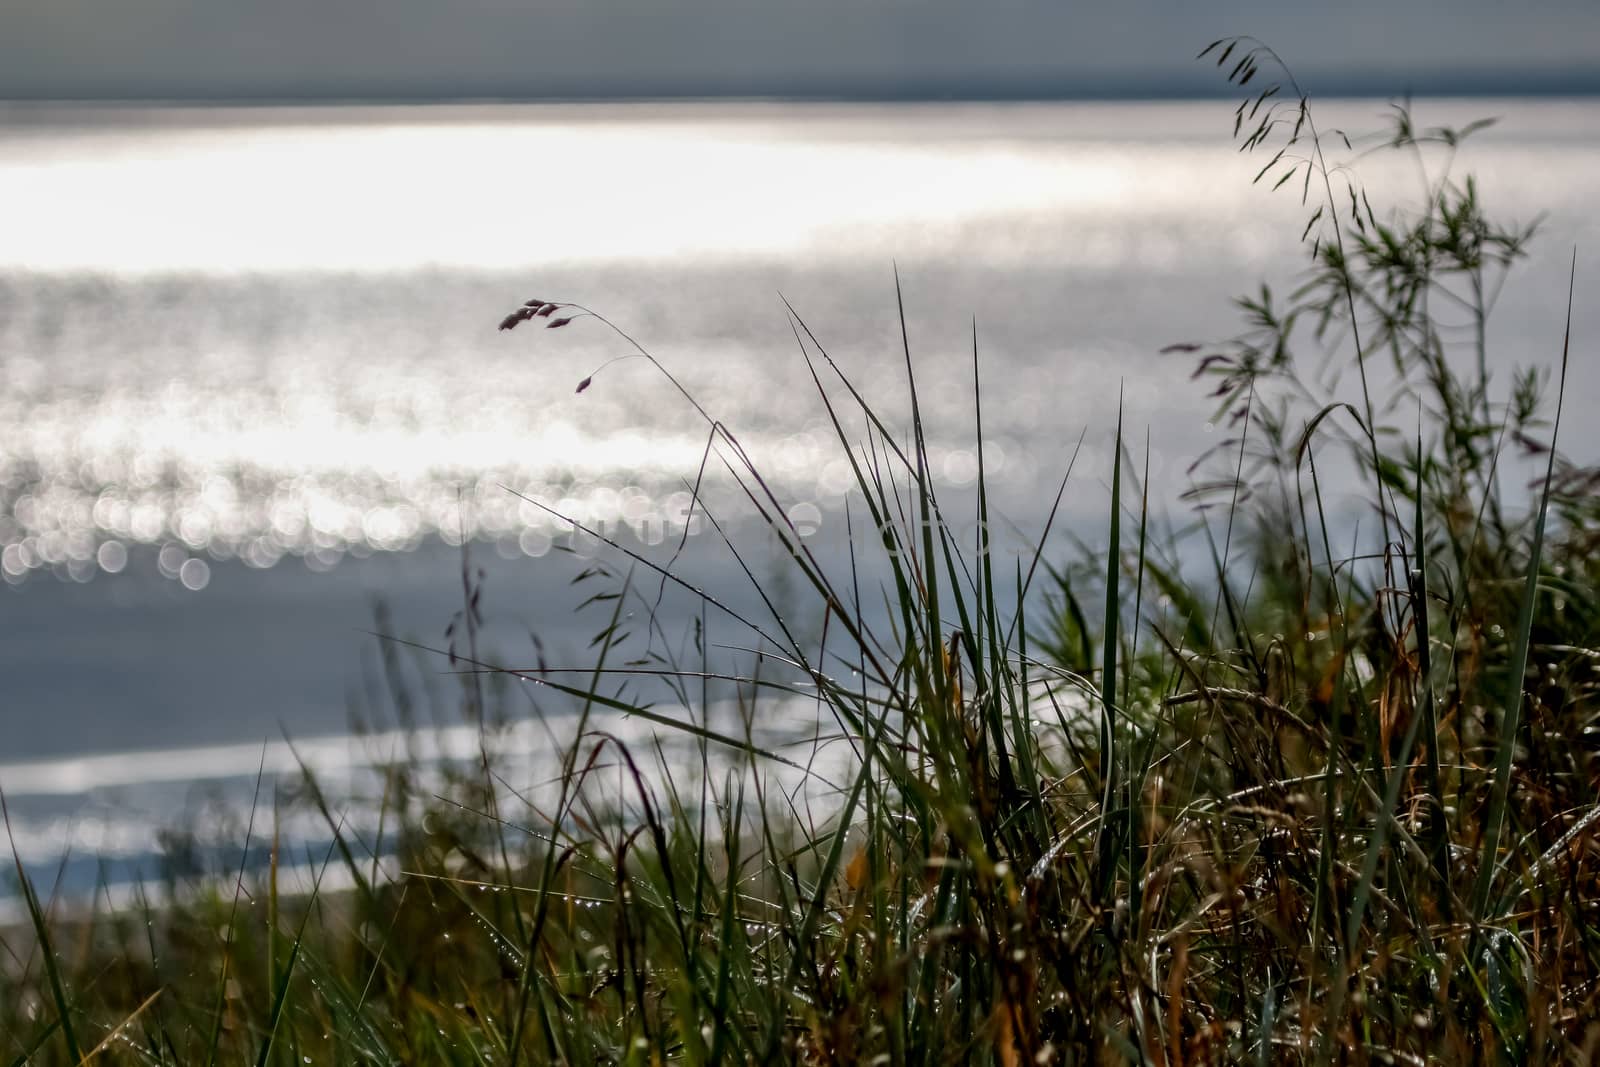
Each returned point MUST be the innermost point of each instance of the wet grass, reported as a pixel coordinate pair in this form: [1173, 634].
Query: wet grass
[1328, 799]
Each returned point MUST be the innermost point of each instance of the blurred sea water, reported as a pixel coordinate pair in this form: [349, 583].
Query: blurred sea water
[250, 380]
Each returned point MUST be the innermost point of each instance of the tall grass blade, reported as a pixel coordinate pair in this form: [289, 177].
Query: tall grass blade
[28, 1053]
[280, 994]
[41, 929]
[1437, 834]
[1511, 712]
[1110, 814]
[233, 914]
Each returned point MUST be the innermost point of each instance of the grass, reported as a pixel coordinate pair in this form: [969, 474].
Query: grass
[1315, 804]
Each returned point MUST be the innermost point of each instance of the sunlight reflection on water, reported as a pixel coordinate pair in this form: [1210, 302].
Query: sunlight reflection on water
[264, 334]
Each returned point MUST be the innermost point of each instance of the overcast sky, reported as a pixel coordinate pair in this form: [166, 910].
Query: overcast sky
[374, 49]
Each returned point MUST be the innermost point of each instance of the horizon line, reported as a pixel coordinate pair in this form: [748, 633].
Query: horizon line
[1576, 83]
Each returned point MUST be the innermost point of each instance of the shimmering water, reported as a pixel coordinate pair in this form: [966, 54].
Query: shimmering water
[263, 334]
[250, 376]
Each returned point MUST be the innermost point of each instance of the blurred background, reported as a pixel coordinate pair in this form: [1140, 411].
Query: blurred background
[254, 405]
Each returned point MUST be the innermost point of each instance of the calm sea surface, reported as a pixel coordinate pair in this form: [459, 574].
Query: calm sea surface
[250, 381]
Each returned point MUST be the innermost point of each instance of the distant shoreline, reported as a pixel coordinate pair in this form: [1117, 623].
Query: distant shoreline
[1576, 83]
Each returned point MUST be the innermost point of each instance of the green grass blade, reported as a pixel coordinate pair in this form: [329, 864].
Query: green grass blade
[1511, 712]
[1438, 841]
[1110, 819]
[233, 911]
[38, 1043]
[41, 928]
[280, 996]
